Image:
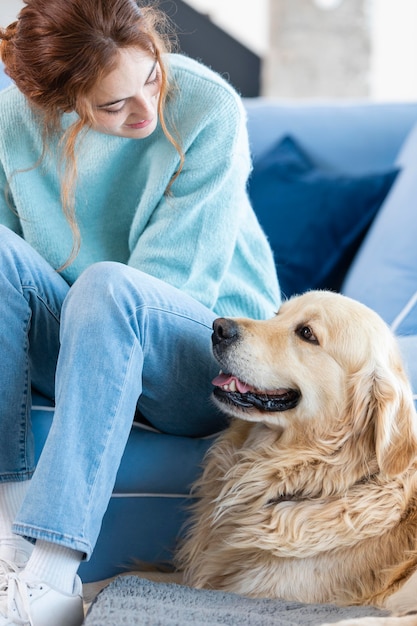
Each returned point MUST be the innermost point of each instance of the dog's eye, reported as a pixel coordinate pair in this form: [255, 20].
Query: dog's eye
[305, 332]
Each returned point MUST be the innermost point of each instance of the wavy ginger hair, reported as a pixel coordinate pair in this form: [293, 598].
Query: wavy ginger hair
[59, 50]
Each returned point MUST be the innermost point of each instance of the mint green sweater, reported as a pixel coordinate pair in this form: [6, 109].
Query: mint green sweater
[203, 238]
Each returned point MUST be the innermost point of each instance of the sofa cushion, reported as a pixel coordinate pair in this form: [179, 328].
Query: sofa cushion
[315, 218]
[354, 136]
[408, 348]
[384, 273]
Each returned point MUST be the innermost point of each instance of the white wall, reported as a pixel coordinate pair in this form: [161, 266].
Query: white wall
[393, 26]
[246, 20]
[8, 11]
[394, 37]
[394, 49]
[318, 52]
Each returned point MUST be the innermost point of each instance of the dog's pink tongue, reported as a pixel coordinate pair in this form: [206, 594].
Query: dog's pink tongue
[226, 379]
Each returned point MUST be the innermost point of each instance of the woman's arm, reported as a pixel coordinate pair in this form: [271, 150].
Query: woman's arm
[197, 230]
[8, 216]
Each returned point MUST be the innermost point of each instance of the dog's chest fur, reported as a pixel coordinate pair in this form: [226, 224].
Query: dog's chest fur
[274, 520]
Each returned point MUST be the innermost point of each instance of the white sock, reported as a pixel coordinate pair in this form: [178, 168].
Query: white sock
[11, 498]
[12, 547]
[54, 565]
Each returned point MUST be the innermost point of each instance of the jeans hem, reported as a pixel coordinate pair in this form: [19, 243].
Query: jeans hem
[31, 532]
[15, 477]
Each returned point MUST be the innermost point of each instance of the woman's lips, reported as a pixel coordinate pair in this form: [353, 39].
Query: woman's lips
[141, 124]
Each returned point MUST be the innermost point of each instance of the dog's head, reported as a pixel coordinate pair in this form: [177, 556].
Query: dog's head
[325, 363]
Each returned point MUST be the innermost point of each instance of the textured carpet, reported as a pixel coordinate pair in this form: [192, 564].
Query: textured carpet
[131, 600]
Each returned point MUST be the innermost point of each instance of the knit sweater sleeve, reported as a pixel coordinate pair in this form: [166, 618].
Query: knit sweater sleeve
[192, 234]
[8, 216]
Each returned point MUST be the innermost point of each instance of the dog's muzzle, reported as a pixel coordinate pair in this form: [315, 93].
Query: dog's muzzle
[229, 389]
[261, 401]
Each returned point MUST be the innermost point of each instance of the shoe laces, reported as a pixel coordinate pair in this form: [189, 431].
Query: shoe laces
[18, 599]
[6, 567]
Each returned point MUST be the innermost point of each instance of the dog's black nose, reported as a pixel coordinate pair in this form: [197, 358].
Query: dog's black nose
[224, 331]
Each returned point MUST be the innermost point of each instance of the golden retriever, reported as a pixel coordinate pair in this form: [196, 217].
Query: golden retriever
[311, 492]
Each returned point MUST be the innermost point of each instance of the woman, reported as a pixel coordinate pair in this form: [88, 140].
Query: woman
[126, 229]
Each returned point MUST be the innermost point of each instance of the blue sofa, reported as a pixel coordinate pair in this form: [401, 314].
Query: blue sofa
[345, 219]
[312, 151]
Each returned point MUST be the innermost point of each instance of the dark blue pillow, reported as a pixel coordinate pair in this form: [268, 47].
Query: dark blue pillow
[315, 218]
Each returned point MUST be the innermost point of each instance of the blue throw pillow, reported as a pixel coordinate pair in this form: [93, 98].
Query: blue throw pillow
[315, 218]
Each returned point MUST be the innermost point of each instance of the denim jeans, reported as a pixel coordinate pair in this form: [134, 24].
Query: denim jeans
[117, 340]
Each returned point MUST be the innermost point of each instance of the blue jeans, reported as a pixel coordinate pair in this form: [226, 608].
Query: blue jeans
[117, 340]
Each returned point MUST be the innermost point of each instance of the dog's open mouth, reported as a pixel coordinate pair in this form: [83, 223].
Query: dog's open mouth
[229, 388]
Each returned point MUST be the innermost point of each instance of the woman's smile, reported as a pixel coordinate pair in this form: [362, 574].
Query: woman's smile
[141, 124]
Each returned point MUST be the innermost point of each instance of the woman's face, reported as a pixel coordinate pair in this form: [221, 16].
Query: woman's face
[125, 101]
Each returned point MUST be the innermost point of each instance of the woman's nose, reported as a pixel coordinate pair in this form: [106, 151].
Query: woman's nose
[141, 107]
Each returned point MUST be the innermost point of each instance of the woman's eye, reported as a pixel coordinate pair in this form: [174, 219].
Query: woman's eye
[155, 78]
[114, 111]
[306, 333]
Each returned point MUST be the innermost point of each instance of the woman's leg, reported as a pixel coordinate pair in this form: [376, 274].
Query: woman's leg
[124, 336]
[31, 298]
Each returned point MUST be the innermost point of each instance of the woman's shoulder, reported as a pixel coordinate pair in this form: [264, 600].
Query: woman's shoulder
[11, 94]
[184, 66]
[13, 105]
[196, 87]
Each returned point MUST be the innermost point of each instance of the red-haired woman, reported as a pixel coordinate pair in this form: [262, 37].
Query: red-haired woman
[125, 230]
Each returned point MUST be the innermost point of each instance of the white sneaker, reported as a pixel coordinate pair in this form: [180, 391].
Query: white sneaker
[12, 561]
[6, 567]
[37, 604]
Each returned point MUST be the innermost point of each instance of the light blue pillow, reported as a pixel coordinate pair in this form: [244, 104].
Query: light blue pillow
[384, 273]
[408, 347]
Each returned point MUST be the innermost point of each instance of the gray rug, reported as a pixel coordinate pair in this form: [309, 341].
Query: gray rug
[130, 601]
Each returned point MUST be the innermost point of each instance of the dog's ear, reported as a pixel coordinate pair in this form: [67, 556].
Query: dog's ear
[394, 418]
[381, 404]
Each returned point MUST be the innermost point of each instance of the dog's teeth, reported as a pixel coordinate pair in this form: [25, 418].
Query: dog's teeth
[231, 386]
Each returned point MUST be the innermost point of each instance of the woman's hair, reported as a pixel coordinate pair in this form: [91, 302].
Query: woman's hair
[59, 50]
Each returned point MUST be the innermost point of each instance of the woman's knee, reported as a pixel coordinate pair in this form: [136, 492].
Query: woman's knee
[108, 291]
[103, 276]
[10, 242]
[105, 279]
[5, 232]
[100, 289]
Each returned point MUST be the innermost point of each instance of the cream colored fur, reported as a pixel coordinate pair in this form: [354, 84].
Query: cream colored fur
[317, 503]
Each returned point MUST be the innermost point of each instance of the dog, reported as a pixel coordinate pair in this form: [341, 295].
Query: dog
[310, 494]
